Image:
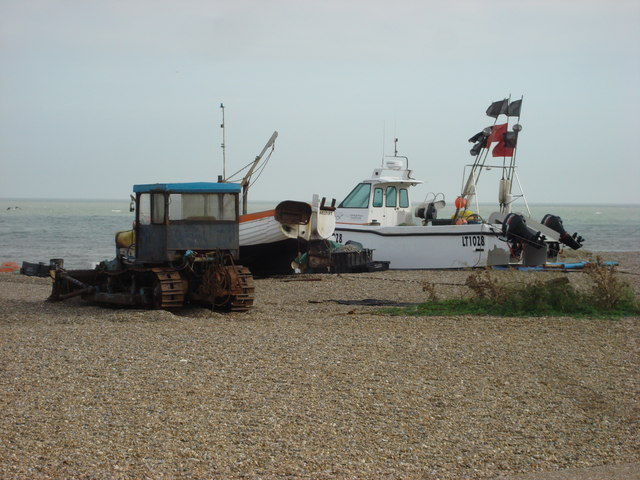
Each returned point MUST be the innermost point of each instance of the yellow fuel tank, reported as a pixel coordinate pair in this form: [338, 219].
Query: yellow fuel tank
[125, 238]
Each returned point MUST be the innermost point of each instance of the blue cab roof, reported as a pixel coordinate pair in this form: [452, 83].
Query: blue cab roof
[192, 187]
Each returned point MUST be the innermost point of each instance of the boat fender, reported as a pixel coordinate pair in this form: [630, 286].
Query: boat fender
[554, 222]
[460, 202]
[504, 192]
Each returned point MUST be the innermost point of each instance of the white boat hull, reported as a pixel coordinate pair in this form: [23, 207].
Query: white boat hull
[271, 240]
[263, 228]
[430, 246]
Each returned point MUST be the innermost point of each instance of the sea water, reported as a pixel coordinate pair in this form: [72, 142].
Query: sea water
[82, 232]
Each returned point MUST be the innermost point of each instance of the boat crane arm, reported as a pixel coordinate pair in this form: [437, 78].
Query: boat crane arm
[245, 182]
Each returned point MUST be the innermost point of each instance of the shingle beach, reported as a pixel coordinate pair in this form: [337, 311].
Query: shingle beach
[304, 387]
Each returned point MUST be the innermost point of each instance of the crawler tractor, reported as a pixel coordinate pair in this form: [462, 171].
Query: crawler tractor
[180, 251]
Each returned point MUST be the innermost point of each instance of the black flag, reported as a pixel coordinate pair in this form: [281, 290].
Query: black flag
[510, 139]
[514, 108]
[497, 108]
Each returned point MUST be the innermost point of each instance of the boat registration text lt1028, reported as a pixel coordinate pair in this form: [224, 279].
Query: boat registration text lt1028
[473, 240]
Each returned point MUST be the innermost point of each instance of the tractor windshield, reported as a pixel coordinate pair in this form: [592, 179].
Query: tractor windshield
[202, 207]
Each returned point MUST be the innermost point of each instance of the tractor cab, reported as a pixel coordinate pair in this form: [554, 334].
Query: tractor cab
[174, 218]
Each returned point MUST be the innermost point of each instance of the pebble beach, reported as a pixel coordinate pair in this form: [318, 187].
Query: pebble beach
[308, 386]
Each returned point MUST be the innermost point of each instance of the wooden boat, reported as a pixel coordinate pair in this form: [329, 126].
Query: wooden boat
[270, 240]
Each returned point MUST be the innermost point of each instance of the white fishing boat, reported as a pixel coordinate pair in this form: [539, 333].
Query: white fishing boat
[270, 240]
[378, 213]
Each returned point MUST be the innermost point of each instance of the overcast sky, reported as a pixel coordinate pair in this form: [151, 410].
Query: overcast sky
[98, 95]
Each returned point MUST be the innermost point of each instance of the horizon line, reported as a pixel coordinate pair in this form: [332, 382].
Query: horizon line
[67, 199]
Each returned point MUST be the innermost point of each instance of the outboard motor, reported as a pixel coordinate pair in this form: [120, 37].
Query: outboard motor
[555, 223]
[515, 229]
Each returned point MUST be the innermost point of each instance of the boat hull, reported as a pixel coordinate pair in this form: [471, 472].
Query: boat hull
[273, 258]
[271, 240]
[430, 246]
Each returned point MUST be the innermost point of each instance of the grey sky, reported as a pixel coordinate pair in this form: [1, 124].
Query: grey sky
[96, 96]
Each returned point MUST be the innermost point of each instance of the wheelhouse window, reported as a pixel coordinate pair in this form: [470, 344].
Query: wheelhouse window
[151, 209]
[202, 207]
[391, 196]
[358, 198]
[404, 198]
[144, 209]
[377, 197]
[157, 208]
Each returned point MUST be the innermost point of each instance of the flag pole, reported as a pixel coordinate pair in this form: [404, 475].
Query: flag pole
[224, 146]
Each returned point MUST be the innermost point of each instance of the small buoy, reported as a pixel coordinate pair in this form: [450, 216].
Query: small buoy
[9, 267]
[460, 202]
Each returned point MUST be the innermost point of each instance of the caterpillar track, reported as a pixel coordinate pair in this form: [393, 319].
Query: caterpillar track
[169, 290]
[243, 285]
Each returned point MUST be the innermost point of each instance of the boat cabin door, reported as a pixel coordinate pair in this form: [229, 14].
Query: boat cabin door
[389, 205]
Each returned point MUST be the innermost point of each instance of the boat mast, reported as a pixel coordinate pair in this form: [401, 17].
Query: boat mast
[245, 183]
[395, 155]
[469, 188]
[483, 140]
[224, 147]
[506, 191]
[384, 132]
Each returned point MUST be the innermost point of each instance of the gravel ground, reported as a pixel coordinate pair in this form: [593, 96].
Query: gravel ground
[304, 387]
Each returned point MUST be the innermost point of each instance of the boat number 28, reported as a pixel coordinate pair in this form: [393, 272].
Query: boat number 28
[338, 237]
[473, 241]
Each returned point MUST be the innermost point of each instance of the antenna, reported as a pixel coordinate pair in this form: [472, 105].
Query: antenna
[384, 132]
[224, 157]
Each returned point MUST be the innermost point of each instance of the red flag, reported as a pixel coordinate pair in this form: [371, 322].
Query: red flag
[501, 150]
[497, 133]
[506, 146]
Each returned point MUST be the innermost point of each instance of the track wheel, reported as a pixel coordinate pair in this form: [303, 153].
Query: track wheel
[242, 288]
[168, 291]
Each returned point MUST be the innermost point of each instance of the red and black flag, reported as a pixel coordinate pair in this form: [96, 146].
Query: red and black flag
[497, 133]
[506, 146]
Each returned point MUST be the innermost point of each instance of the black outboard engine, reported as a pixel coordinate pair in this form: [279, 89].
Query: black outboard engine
[428, 212]
[514, 227]
[555, 223]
